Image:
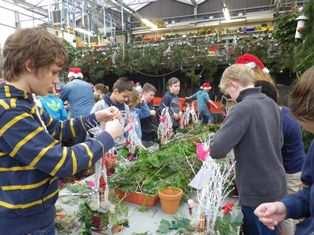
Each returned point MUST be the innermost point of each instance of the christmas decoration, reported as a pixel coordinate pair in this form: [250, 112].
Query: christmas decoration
[165, 130]
[213, 184]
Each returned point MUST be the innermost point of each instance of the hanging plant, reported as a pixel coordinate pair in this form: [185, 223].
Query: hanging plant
[305, 51]
[284, 31]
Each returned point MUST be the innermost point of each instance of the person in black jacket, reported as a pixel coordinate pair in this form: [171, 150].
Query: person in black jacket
[252, 129]
[171, 100]
[148, 115]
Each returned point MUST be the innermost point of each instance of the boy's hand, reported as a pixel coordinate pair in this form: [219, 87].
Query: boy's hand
[177, 116]
[213, 104]
[271, 214]
[152, 112]
[107, 114]
[114, 128]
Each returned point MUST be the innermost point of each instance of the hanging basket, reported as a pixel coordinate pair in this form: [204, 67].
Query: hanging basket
[170, 199]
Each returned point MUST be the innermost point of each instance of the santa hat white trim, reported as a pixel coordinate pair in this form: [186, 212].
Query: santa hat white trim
[75, 75]
[250, 65]
[266, 70]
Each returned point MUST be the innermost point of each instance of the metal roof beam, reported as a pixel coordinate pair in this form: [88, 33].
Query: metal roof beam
[194, 2]
[29, 7]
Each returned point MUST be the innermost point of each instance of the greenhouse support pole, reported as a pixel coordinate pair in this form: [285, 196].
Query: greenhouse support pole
[105, 26]
[123, 31]
[163, 84]
[122, 18]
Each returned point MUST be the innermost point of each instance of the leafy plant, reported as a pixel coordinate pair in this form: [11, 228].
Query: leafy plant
[284, 33]
[228, 224]
[78, 188]
[173, 165]
[305, 52]
[85, 214]
[180, 224]
[307, 139]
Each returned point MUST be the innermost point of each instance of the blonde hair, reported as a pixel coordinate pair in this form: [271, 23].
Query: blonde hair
[260, 75]
[134, 98]
[239, 73]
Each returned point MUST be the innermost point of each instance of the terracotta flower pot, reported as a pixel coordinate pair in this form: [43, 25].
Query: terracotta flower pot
[170, 199]
[138, 198]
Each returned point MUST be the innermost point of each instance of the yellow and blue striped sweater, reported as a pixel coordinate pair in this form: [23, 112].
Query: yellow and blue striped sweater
[33, 155]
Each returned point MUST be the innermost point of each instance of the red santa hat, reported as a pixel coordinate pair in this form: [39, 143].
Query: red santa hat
[252, 62]
[75, 72]
[206, 85]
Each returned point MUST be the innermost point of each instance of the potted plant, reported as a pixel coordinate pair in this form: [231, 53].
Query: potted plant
[170, 198]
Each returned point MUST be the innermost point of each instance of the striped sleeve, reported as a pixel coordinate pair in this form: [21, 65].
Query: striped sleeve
[70, 131]
[25, 140]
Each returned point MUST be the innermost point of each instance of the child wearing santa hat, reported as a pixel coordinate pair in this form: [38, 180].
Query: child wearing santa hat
[75, 72]
[203, 99]
[257, 66]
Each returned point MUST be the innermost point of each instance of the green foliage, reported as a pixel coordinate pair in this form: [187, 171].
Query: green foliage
[228, 225]
[180, 224]
[284, 33]
[117, 216]
[73, 54]
[169, 166]
[85, 215]
[150, 60]
[78, 188]
[307, 139]
[305, 52]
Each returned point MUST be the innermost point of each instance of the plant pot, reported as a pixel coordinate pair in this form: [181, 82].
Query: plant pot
[138, 198]
[170, 199]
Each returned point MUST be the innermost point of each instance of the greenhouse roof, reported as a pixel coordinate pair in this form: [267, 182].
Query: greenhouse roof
[138, 4]
[134, 4]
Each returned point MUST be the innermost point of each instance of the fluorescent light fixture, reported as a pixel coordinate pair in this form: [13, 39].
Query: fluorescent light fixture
[226, 13]
[84, 31]
[149, 24]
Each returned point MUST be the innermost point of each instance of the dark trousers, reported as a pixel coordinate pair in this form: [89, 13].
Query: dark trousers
[252, 225]
[206, 117]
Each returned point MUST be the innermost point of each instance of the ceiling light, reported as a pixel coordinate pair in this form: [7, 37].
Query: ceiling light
[149, 24]
[226, 13]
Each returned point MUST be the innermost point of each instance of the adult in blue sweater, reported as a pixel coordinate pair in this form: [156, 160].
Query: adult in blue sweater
[301, 204]
[292, 150]
[78, 93]
[33, 155]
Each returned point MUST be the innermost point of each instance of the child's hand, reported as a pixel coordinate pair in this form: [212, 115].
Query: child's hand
[107, 114]
[271, 214]
[152, 112]
[213, 104]
[114, 128]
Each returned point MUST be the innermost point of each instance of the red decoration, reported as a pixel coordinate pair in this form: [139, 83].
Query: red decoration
[227, 208]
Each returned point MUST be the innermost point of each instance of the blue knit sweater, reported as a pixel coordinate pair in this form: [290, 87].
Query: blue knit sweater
[33, 157]
[293, 149]
[301, 204]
